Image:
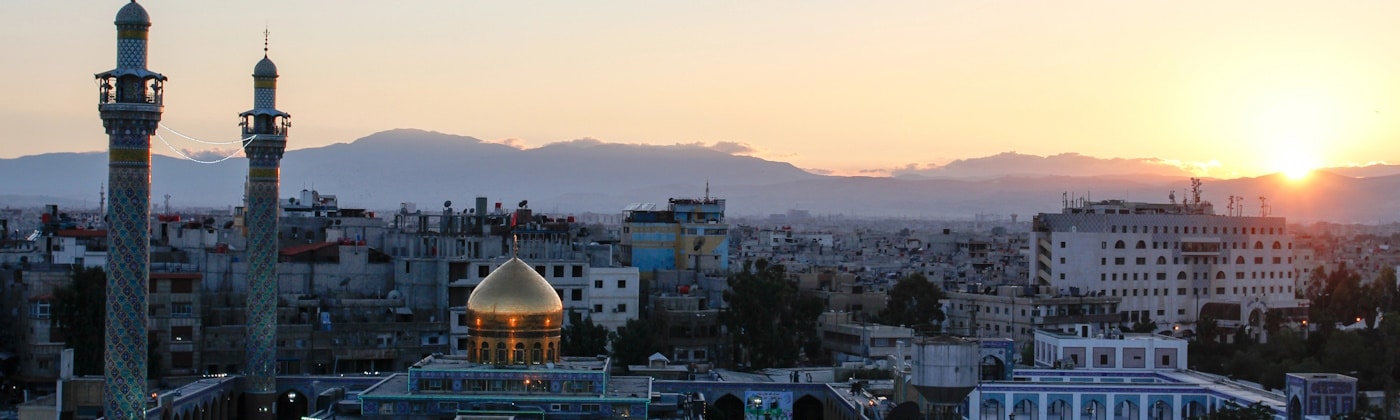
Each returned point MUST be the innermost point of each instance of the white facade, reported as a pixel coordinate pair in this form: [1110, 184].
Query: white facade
[1167, 261]
[613, 295]
[1127, 351]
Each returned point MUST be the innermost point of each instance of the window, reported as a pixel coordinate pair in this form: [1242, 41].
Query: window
[1166, 360]
[622, 284]
[181, 309]
[1119, 261]
[558, 271]
[1103, 360]
[181, 333]
[1062, 244]
[1119, 245]
[483, 270]
[577, 271]
[576, 295]
[622, 308]
[40, 309]
[597, 284]
[1141, 261]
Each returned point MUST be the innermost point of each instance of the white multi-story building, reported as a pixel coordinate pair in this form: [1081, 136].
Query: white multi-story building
[1169, 263]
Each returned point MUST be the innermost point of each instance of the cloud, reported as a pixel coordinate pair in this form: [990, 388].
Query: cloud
[211, 155]
[1064, 164]
[733, 148]
[512, 142]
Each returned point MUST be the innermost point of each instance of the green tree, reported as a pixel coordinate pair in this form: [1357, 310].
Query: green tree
[81, 315]
[913, 301]
[1232, 411]
[583, 338]
[635, 342]
[769, 322]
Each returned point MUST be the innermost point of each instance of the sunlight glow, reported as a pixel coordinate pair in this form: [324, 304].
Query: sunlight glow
[1290, 131]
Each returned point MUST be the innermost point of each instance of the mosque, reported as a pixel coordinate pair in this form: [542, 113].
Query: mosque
[514, 367]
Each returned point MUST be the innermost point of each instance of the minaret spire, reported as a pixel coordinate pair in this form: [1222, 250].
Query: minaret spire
[266, 128]
[130, 102]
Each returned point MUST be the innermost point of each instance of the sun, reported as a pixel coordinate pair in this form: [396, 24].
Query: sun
[1292, 132]
[1294, 164]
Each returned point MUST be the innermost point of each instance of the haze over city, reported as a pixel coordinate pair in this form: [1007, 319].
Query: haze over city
[1223, 90]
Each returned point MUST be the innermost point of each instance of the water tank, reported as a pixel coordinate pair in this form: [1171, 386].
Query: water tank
[945, 368]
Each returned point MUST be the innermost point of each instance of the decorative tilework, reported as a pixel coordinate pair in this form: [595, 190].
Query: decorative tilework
[128, 268]
[264, 154]
[129, 125]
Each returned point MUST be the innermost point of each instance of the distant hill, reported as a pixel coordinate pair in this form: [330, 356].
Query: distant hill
[379, 171]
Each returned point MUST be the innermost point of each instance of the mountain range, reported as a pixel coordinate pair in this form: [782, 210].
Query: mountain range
[380, 171]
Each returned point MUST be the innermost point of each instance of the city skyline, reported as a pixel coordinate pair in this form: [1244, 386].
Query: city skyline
[1224, 89]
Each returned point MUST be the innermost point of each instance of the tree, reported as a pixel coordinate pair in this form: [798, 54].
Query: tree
[635, 342]
[913, 301]
[769, 322]
[1232, 411]
[81, 315]
[583, 338]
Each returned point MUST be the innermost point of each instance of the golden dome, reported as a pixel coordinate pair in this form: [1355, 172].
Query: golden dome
[515, 289]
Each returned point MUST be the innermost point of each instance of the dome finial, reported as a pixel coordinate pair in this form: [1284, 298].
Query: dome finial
[266, 33]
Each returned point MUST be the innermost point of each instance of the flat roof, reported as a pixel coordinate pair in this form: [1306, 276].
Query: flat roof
[451, 362]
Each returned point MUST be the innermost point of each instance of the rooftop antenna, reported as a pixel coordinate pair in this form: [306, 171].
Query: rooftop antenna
[1195, 191]
[102, 198]
[1230, 208]
[167, 204]
[1264, 206]
[1064, 199]
[1172, 197]
[707, 189]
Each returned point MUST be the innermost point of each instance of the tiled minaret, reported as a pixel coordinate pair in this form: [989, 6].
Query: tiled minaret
[130, 104]
[266, 129]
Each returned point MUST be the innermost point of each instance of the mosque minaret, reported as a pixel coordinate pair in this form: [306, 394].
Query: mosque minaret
[130, 104]
[265, 130]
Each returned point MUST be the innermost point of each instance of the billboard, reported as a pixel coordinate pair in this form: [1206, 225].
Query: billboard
[767, 405]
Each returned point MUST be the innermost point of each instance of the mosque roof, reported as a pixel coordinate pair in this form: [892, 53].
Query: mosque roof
[515, 288]
[133, 14]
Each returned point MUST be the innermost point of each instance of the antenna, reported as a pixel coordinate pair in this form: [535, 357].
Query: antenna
[1264, 206]
[102, 198]
[167, 204]
[1172, 197]
[707, 190]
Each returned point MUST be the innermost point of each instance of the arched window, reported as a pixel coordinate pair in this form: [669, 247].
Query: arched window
[1258, 245]
[1219, 275]
[500, 352]
[1119, 245]
[1161, 260]
[1278, 245]
[485, 353]
[1239, 260]
[1181, 275]
[520, 353]
[536, 354]
[550, 353]
[1142, 245]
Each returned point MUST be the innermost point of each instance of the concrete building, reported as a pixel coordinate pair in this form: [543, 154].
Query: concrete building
[1016, 312]
[1169, 263]
[851, 341]
[689, 234]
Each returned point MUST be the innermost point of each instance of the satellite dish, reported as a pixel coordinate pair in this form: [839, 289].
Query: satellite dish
[471, 211]
[447, 203]
[523, 203]
[699, 242]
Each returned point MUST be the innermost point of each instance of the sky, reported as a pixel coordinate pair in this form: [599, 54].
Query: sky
[1235, 88]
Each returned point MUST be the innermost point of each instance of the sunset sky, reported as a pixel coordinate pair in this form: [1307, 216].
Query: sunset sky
[1239, 88]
